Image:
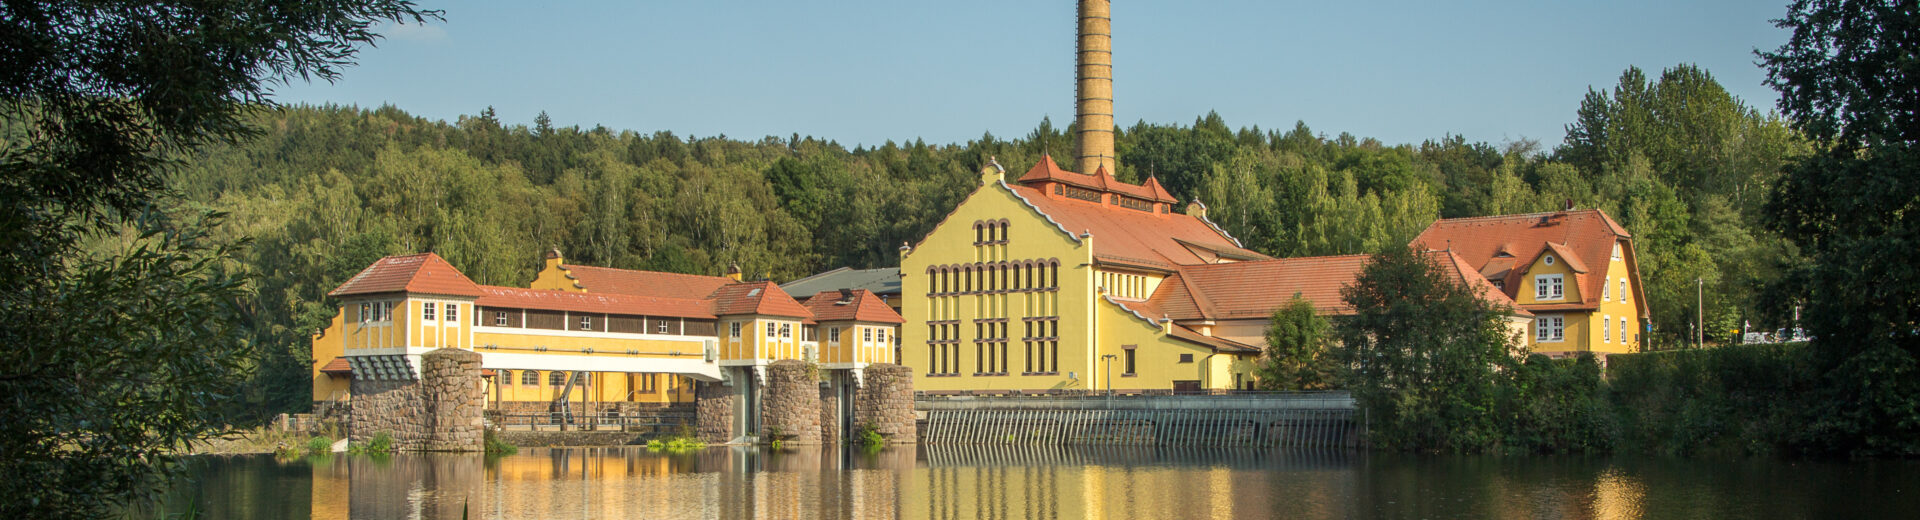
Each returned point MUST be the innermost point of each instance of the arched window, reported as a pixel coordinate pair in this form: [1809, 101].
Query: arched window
[979, 233]
[1004, 225]
[1006, 272]
[556, 378]
[966, 276]
[506, 377]
[530, 378]
[1053, 268]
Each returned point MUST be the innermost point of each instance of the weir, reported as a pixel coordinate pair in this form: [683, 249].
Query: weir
[1289, 420]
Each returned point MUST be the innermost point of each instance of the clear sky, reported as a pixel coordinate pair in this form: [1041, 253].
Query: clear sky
[866, 71]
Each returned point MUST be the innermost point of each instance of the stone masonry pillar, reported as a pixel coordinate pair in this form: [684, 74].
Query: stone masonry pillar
[885, 403]
[439, 411]
[792, 407]
[713, 416]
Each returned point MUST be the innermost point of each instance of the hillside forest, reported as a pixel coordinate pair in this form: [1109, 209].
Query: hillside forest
[325, 190]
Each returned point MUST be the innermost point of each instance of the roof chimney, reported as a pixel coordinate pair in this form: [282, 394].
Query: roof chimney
[1093, 104]
[1569, 206]
[846, 295]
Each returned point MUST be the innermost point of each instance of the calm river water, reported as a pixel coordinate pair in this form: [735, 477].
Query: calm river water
[1035, 482]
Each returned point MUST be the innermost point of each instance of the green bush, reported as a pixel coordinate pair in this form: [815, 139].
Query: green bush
[381, 443]
[495, 446]
[869, 436]
[1736, 399]
[319, 446]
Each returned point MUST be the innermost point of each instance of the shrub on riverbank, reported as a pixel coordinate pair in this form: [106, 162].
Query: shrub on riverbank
[381, 443]
[495, 446]
[1735, 399]
[1555, 406]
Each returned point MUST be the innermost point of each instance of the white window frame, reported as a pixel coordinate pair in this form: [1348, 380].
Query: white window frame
[772, 331]
[1549, 260]
[662, 327]
[1623, 329]
[1623, 289]
[366, 312]
[1550, 329]
[866, 335]
[786, 331]
[426, 312]
[1549, 287]
[733, 330]
[1606, 329]
[500, 318]
[1606, 291]
[833, 335]
[586, 322]
[451, 313]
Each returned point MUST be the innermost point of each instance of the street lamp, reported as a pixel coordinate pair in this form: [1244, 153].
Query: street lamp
[1109, 359]
[1700, 313]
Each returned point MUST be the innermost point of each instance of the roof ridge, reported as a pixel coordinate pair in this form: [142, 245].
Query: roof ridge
[669, 273]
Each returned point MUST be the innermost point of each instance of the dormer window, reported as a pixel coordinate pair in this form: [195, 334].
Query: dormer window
[1549, 260]
[1616, 250]
[1549, 287]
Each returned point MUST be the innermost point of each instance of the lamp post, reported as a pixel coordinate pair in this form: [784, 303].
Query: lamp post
[1700, 313]
[1109, 359]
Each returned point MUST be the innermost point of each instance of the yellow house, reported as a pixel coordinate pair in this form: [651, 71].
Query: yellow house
[600, 336]
[1574, 270]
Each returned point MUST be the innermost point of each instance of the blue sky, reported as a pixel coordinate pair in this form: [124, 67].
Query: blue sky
[864, 72]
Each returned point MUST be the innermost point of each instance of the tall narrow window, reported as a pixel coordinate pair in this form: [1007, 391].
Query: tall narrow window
[1606, 329]
[366, 312]
[1623, 289]
[453, 312]
[1129, 371]
[426, 311]
[733, 330]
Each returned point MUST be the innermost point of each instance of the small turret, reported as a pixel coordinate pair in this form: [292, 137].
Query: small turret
[733, 271]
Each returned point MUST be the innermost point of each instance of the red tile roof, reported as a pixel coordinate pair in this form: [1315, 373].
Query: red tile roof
[763, 298]
[860, 305]
[1582, 238]
[339, 365]
[1127, 236]
[517, 298]
[1253, 290]
[424, 273]
[645, 283]
[1046, 171]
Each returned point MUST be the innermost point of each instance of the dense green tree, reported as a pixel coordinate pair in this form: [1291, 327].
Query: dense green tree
[124, 348]
[1849, 76]
[1296, 355]
[1423, 354]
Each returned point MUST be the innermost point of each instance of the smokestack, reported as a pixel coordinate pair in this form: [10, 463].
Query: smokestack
[1093, 106]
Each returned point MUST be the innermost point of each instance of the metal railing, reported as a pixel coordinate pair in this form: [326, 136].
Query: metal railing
[587, 422]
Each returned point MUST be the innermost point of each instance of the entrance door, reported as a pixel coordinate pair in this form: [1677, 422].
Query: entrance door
[1186, 387]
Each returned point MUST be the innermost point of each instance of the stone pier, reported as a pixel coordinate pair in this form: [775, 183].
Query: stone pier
[713, 416]
[885, 403]
[792, 410]
[440, 410]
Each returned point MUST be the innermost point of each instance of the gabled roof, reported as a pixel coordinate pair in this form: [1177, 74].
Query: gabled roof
[1101, 180]
[338, 365]
[424, 273]
[1578, 236]
[518, 298]
[1253, 290]
[762, 298]
[856, 305]
[644, 283]
[879, 281]
[1133, 237]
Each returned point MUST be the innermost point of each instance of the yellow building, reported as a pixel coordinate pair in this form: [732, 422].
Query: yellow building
[592, 335]
[1027, 286]
[1574, 270]
[1064, 282]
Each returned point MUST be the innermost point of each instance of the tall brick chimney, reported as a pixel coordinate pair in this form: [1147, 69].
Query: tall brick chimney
[1093, 102]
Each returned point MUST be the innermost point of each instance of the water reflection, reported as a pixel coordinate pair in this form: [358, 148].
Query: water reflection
[1036, 482]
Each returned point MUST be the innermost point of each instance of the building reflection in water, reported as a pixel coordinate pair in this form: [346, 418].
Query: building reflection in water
[939, 482]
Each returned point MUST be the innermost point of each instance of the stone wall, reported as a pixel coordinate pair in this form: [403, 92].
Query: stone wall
[830, 409]
[713, 404]
[792, 404]
[885, 402]
[441, 411]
